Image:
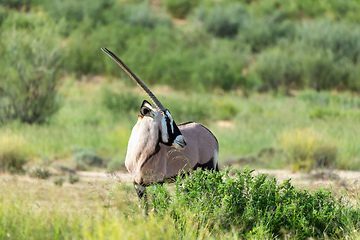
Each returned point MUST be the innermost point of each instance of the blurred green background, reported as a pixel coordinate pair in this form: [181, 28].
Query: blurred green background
[276, 81]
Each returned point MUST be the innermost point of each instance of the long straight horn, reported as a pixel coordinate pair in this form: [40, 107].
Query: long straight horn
[156, 102]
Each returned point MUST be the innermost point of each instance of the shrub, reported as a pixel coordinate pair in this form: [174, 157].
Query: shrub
[41, 173]
[84, 46]
[133, 43]
[59, 181]
[179, 8]
[3, 14]
[116, 165]
[16, 3]
[223, 20]
[262, 32]
[333, 53]
[196, 109]
[277, 69]
[222, 67]
[12, 154]
[85, 158]
[322, 113]
[307, 149]
[341, 39]
[74, 13]
[323, 71]
[30, 68]
[143, 15]
[307, 9]
[120, 102]
[73, 179]
[251, 206]
[224, 109]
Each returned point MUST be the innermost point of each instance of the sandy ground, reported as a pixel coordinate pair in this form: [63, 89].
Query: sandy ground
[335, 179]
[344, 183]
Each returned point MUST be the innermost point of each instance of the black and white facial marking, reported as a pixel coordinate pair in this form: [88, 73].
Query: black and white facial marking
[169, 132]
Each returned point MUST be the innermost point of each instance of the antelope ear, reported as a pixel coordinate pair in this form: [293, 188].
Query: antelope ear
[146, 109]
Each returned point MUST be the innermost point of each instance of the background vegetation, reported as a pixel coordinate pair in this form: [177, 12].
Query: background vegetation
[217, 55]
[203, 205]
[248, 45]
[276, 81]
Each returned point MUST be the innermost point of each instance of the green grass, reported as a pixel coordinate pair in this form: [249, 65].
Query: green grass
[214, 70]
[204, 205]
[255, 122]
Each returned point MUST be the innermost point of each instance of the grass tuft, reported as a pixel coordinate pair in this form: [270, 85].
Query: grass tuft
[308, 149]
[12, 153]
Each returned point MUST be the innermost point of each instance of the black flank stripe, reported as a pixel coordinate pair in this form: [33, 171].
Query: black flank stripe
[157, 149]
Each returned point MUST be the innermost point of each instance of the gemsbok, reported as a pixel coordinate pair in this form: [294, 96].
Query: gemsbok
[158, 149]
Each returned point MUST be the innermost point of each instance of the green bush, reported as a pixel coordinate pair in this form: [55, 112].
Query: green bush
[196, 109]
[73, 179]
[142, 15]
[179, 8]
[224, 109]
[323, 113]
[84, 46]
[253, 206]
[221, 67]
[85, 158]
[223, 20]
[308, 9]
[18, 4]
[333, 53]
[120, 102]
[59, 181]
[30, 68]
[41, 173]
[323, 71]
[227, 44]
[116, 165]
[263, 32]
[136, 45]
[342, 39]
[278, 68]
[3, 14]
[74, 13]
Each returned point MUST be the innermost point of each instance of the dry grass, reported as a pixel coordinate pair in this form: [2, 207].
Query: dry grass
[308, 149]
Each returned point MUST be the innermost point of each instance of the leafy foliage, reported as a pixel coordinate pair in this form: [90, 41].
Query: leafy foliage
[30, 68]
[255, 206]
[224, 20]
[59, 181]
[179, 8]
[73, 179]
[261, 45]
[85, 158]
[41, 173]
[120, 103]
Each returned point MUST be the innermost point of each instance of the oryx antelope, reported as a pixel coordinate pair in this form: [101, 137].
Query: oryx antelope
[158, 149]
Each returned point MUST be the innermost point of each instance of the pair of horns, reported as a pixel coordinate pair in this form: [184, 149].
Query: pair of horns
[152, 97]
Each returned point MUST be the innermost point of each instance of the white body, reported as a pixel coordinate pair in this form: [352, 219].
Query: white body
[149, 161]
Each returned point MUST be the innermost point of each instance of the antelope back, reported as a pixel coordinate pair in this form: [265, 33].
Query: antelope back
[201, 151]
